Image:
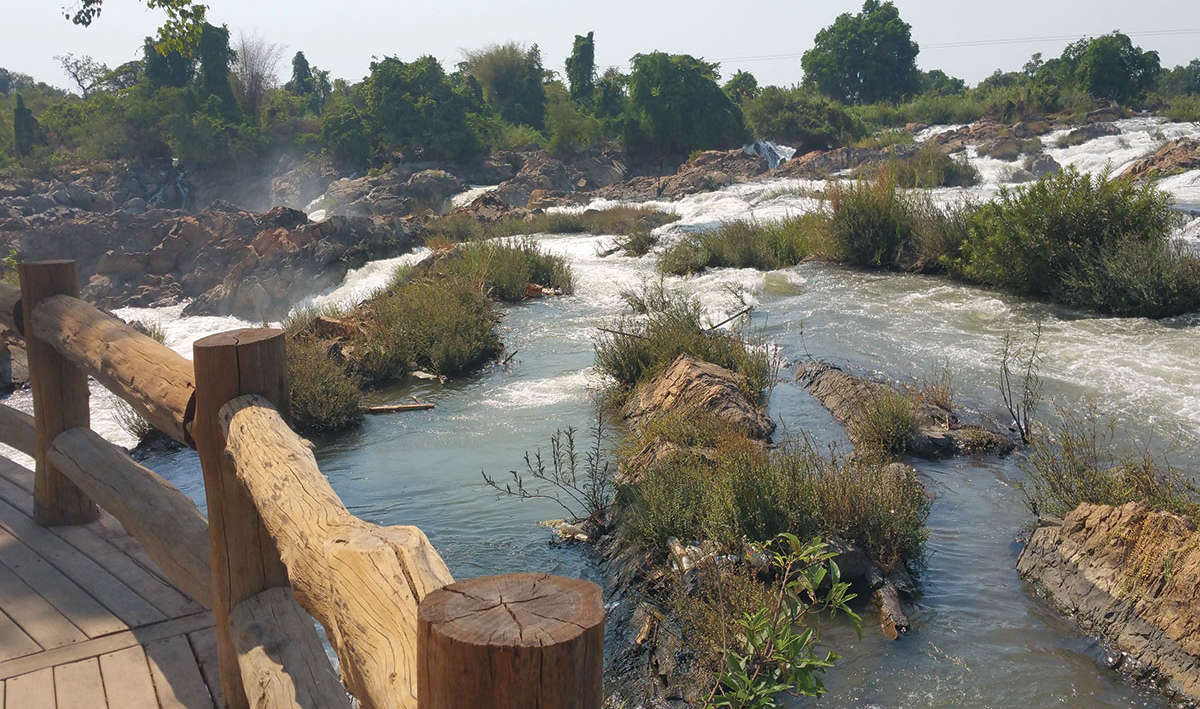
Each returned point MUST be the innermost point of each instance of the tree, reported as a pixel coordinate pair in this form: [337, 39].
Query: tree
[678, 107]
[185, 20]
[87, 73]
[413, 107]
[611, 98]
[301, 82]
[26, 132]
[345, 136]
[940, 83]
[1176, 82]
[864, 58]
[581, 69]
[800, 118]
[511, 78]
[1112, 67]
[6, 81]
[741, 87]
[255, 71]
[171, 68]
[216, 57]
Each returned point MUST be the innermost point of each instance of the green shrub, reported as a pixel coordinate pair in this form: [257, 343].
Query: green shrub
[746, 244]
[442, 326]
[1183, 109]
[456, 227]
[802, 119]
[1090, 242]
[322, 397]
[930, 167]
[502, 268]
[871, 223]
[886, 425]
[1079, 461]
[743, 492]
[1010, 149]
[637, 349]
[886, 139]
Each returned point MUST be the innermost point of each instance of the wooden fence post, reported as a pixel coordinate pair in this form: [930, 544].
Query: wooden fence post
[512, 641]
[60, 398]
[244, 558]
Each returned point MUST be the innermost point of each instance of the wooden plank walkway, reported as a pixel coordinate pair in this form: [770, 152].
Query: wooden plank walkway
[88, 621]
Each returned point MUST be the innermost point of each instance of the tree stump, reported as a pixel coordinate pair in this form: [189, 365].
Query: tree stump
[511, 642]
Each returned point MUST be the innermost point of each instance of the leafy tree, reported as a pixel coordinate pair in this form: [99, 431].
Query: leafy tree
[87, 73]
[413, 107]
[5, 81]
[864, 58]
[611, 98]
[572, 129]
[344, 135]
[677, 106]
[741, 87]
[581, 69]
[301, 82]
[511, 77]
[172, 68]
[216, 58]
[123, 77]
[26, 132]
[1112, 67]
[939, 83]
[801, 118]
[185, 20]
[1176, 82]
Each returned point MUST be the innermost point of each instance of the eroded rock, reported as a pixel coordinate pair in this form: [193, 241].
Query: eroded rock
[689, 386]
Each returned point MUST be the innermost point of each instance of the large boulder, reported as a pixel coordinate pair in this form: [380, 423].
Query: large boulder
[689, 386]
[1088, 132]
[1175, 156]
[939, 434]
[1132, 577]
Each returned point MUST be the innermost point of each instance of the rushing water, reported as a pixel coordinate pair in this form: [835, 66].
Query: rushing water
[979, 638]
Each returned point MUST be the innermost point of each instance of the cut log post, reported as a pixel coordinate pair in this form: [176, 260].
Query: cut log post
[540, 637]
[18, 430]
[243, 557]
[10, 308]
[153, 511]
[361, 581]
[156, 381]
[60, 398]
[282, 659]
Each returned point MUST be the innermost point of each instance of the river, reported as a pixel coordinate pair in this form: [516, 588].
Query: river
[979, 637]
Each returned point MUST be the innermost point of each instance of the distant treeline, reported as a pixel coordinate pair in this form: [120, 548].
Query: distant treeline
[207, 100]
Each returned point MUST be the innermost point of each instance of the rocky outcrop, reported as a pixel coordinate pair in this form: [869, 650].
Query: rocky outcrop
[707, 171]
[692, 387]
[254, 266]
[939, 434]
[1130, 576]
[543, 173]
[396, 192]
[1087, 132]
[819, 164]
[1174, 157]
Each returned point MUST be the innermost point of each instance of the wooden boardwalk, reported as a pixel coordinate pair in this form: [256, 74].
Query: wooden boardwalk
[88, 621]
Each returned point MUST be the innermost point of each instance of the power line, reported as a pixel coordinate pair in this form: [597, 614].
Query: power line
[981, 43]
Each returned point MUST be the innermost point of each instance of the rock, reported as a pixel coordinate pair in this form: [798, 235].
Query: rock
[939, 432]
[707, 171]
[892, 619]
[1087, 132]
[689, 386]
[432, 188]
[1130, 576]
[820, 164]
[1041, 165]
[1174, 157]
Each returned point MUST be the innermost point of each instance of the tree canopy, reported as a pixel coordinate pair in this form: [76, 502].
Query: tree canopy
[581, 69]
[511, 77]
[864, 58]
[678, 106]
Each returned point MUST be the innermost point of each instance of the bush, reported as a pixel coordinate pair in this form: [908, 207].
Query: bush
[871, 223]
[1096, 243]
[930, 167]
[746, 244]
[323, 398]
[742, 492]
[442, 326]
[1183, 109]
[802, 119]
[887, 425]
[676, 106]
[502, 268]
[637, 349]
[1078, 461]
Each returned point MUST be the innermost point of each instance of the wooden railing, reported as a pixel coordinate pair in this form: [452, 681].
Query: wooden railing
[278, 545]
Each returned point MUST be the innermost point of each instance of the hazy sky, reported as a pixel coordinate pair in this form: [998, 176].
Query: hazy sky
[965, 38]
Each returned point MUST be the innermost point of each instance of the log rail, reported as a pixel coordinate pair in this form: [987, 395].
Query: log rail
[279, 549]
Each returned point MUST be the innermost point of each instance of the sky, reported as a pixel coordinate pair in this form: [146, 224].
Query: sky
[965, 38]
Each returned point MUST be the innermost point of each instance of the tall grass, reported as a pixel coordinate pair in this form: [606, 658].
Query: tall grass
[502, 269]
[747, 244]
[323, 398]
[456, 227]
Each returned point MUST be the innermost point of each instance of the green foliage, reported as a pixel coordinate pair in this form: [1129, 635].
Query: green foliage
[636, 349]
[581, 69]
[502, 268]
[677, 106]
[1182, 80]
[744, 244]
[184, 22]
[172, 68]
[322, 397]
[1183, 109]
[930, 167]
[801, 118]
[741, 87]
[864, 58]
[611, 96]
[1079, 460]
[870, 224]
[414, 107]
[498, 134]
[1111, 67]
[26, 132]
[886, 425]
[442, 326]
[938, 83]
[1096, 243]
[740, 492]
[511, 78]
[773, 651]
[344, 134]
[572, 129]
[215, 60]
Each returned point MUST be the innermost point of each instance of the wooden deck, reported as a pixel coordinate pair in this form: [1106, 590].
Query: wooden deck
[88, 621]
